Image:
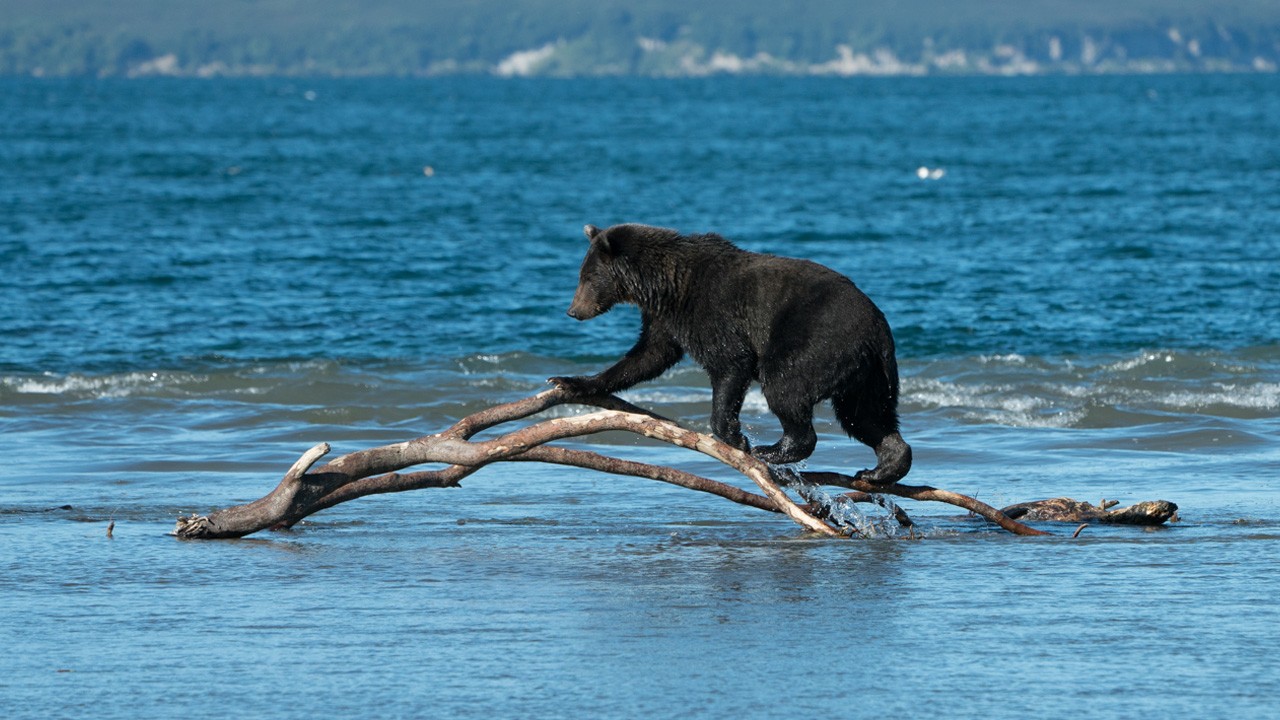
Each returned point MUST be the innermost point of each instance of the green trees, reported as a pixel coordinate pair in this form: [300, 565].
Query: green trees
[660, 37]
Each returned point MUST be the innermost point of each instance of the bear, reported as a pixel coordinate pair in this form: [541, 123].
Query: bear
[803, 331]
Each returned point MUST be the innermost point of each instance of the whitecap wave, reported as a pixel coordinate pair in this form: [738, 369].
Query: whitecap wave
[1005, 404]
[1009, 359]
[1012, 389]
[1141, 360]
[1149, 386]
[104, 386]
[253, 379]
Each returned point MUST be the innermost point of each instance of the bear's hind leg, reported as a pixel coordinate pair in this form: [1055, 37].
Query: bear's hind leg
[877, 427]
[798, 436]
[893, 461]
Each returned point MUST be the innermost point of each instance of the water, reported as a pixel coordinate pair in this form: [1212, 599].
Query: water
[201, 279]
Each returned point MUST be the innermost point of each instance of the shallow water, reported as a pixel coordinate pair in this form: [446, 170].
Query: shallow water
[203, 279]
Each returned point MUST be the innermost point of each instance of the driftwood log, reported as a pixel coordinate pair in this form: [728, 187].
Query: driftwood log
[307, 489]
[1147, 512]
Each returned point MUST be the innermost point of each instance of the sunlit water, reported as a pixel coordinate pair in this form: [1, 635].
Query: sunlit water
[203, 279]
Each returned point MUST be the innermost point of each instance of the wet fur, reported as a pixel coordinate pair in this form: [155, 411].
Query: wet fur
[803, 331]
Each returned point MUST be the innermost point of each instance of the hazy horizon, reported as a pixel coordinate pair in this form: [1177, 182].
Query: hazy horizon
[659, 37]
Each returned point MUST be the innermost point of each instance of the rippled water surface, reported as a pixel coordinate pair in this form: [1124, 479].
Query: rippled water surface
[201, 279]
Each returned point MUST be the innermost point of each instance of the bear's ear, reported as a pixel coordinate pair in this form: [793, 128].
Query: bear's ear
[598, 239]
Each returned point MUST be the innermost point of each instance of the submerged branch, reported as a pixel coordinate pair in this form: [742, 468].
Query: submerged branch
[926, 493]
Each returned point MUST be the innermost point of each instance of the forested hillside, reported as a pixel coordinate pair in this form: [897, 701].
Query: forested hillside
[657, 37]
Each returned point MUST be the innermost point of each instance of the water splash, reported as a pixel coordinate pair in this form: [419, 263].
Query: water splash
[840, 510]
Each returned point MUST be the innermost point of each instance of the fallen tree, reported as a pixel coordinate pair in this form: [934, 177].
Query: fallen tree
[307, 489]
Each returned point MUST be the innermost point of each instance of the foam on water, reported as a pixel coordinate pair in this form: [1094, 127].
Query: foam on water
[254, 379]
[1012, 390]
[90, 387]
[977, 402]
[1076, 392]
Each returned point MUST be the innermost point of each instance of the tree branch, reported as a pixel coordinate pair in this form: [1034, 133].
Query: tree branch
[924, 492]
[304, 491]
[375, 470]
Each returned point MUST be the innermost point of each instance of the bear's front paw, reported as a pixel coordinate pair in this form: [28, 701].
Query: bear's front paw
[576, 386]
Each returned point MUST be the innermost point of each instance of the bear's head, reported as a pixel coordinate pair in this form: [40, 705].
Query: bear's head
[599, 285]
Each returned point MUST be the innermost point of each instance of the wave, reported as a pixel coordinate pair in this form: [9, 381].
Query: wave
[1149, 386]
[1145, 387]
[254, 379]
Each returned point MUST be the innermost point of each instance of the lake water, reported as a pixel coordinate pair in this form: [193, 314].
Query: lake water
[202, 279]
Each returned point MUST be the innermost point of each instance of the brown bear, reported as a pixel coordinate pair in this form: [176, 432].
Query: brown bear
[803, 331]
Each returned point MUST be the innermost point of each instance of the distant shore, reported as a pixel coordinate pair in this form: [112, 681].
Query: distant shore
[1004, 60]
[1150, 49]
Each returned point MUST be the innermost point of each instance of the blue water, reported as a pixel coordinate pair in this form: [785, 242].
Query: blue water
[201, 279]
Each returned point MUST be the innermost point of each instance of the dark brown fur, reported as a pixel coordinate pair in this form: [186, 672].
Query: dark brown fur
[803, 331]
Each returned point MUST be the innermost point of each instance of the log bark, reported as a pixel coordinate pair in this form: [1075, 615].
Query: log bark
[1147, 512]
[306, 489]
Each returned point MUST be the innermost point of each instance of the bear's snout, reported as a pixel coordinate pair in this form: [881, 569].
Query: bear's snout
[581, 311]
[585, 305]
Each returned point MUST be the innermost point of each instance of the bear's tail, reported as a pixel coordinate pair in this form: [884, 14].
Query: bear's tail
[867, 408]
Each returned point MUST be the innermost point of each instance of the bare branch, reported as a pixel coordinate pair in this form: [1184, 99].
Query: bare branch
[304, 490]
[375, 470]
[616, 466]
[305, 462]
